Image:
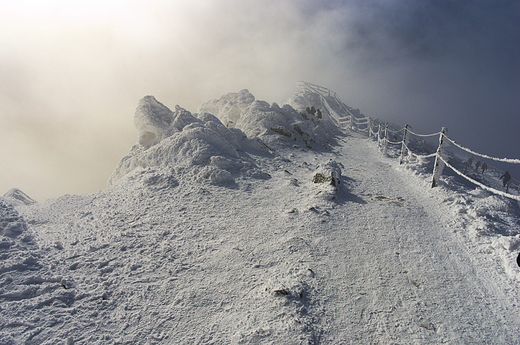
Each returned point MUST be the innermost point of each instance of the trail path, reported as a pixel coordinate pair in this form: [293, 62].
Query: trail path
[397, 275]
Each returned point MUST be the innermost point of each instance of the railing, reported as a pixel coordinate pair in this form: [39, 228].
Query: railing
[489, 179]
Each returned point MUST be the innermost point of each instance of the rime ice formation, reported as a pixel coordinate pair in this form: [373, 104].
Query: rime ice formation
[326, 101]
[152, 119]
[199, 146]
[17, 196]
[228, 107]
[183, 145]
[289, 122]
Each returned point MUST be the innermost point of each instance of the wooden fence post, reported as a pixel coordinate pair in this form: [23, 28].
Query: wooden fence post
[403, 145]
[385, 139]
[379, 135]
[439, 164]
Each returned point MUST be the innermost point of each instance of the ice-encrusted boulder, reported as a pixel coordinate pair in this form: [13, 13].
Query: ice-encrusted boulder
[179, 143]
[151, 119]
[229, 107]
[328, 173]
[271, 122]
[16, 196]
[327, 180]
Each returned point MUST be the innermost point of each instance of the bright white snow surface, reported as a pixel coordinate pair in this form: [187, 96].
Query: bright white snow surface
[259, 234]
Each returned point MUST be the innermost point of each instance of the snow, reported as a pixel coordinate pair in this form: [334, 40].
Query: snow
[16, 196]
[178, 143]
[151, 119]
[209, 234]
[228, 107]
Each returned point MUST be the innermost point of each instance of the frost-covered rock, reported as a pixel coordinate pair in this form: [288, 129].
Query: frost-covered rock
[229, 107]
[312, 104]
[271, 122]
[327, 180]
[213, 145]
[303, 99]
[328, 173]
[15, 195]
[151, 119]
[180, 143]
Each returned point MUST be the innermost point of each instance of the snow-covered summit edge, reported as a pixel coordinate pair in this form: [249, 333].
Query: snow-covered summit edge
[219, 142]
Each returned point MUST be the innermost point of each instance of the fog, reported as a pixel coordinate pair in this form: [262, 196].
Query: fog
[71, 74]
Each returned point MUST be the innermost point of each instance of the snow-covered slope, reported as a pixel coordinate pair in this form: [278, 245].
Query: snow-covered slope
[259, 234]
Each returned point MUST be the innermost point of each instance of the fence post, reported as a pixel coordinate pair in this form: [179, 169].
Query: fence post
[351, 121]
[379, 135]
[439, 164]
[370, 127]
[403, 145]
[385, 139]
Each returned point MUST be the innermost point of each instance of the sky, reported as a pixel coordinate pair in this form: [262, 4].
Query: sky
[72, 72]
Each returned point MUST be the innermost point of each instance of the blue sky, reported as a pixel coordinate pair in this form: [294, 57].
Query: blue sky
[71, 73]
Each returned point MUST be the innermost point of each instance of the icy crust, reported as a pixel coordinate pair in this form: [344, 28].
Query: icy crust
[200, 147]
[485, 214]
[12, 226]
[488, 221]
[229, 107]
[269, 262]
[28, 285]
[272, 123]
[197, 147]
[16, 196]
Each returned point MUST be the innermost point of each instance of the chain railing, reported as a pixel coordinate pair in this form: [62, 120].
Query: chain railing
[482, 174]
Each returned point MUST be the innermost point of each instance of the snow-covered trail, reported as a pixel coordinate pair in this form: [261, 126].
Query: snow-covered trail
[393, 273]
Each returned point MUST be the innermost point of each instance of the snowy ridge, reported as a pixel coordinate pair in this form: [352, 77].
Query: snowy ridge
[178, 143]
[278, 229]
[200, 147]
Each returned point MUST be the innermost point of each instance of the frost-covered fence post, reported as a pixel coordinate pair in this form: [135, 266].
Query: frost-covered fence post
[370, 128]
[385, 140]
[379, 135]
[439, 164]
[351, 121]
[403, 145]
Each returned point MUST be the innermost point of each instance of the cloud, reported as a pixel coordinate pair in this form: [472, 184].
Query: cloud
[70, 78]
